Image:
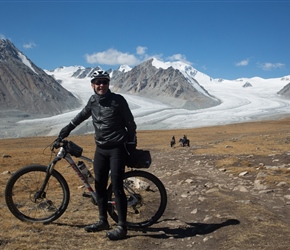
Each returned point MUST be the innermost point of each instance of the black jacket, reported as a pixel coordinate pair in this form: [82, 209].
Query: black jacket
[112, 119]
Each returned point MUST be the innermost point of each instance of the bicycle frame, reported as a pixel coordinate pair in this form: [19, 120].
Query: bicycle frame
[62, 154]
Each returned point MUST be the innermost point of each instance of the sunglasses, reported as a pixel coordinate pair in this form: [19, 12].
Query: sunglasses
[99, 82]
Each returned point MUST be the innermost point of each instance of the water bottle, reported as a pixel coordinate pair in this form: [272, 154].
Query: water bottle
[86, 173]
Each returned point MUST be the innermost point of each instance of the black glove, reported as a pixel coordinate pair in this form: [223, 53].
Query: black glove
[55, 144]
[66, 131]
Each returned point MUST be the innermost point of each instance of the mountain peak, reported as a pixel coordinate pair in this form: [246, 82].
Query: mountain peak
[124, 68]
[26, 88]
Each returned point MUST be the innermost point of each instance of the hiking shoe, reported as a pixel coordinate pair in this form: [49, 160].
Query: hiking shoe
[98, 226]
[118, 233]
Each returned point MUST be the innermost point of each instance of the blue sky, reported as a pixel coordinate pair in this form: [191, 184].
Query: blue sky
[223, 39]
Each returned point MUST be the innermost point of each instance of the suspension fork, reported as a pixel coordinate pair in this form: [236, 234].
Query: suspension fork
[40, 194]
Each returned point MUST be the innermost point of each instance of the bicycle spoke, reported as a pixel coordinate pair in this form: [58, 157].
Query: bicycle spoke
[26, 203]
[146, 198]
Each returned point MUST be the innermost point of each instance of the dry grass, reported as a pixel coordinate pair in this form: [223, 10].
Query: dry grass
[226, 143]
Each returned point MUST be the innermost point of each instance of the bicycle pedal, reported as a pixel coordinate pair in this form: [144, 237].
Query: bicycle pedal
[87, 195]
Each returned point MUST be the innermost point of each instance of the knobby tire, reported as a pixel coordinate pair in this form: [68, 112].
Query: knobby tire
[151, 199]
[21, 189]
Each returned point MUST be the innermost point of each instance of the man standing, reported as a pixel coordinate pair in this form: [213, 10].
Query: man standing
[115, 134]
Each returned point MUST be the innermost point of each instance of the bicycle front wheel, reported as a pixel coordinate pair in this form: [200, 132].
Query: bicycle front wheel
[146, 198]
[23, 199]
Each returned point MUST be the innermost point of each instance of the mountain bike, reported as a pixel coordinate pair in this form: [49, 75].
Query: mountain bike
[38, 193]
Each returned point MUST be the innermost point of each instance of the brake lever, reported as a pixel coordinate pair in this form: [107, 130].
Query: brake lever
[56, 144]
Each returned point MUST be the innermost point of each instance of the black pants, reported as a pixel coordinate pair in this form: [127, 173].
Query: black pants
[106, 159]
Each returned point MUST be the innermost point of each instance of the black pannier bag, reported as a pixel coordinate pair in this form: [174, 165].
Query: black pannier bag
[139, 159]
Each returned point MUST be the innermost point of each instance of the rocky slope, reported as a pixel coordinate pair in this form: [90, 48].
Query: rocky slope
[286, 90]
[166, 85]
[25, 88]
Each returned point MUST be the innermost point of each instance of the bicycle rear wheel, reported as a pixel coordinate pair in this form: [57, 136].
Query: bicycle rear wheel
[21, 190]
[146, 197]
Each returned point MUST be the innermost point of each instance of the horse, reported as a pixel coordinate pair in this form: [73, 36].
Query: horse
[184, 142]
[172, 142]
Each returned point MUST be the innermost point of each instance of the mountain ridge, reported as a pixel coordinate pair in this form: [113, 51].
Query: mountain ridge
[168, 85]
[27, 88]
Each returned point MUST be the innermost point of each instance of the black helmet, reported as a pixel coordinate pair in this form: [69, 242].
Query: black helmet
[100, 74]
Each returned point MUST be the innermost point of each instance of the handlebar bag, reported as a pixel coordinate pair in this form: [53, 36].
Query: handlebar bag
[74, 149]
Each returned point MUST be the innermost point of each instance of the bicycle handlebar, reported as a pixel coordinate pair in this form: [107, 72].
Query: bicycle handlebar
[58, 143]
[69, 146]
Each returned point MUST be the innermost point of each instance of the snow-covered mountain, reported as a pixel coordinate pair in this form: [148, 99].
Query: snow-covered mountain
[169, 85]
[174, 83]
[259, 101]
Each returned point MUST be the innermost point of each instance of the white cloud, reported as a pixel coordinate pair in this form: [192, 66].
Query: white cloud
[141, 50]
[112, 57]
[2, 36]
[115, 57]
[29, 45]
[244, 62]
[269, 66]
[179, 57]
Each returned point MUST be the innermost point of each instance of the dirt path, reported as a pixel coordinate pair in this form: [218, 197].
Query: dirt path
[212, 209]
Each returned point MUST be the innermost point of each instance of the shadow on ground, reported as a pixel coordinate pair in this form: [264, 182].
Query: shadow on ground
[191, 229]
